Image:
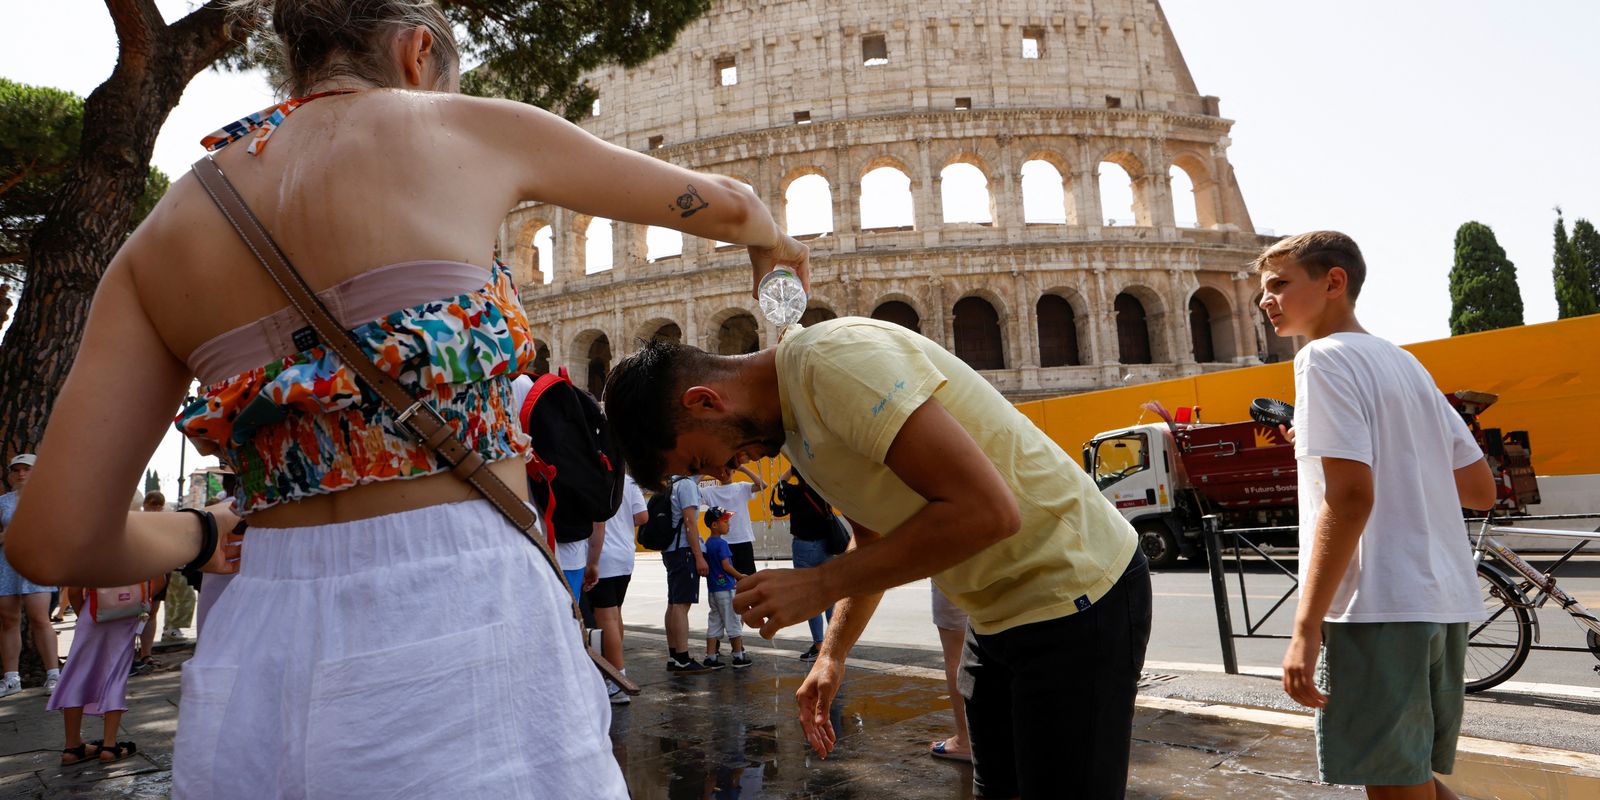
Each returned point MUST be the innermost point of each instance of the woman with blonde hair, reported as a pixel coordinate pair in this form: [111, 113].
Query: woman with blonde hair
[343, 661]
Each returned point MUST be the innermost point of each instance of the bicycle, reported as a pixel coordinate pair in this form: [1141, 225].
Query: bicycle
[1498, 646]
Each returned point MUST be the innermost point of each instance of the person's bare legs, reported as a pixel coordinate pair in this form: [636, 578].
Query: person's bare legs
[610, 622]
[113, 718]
[1432, 790]
[37, 606]
[10, 632]
[678, 627]
[147, 637]
[952, 642]
[73, 719]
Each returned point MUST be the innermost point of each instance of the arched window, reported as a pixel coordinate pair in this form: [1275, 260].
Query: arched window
[1044, 195]
[886, 200]
[1116, 196]
[899, 313]
[1133, 330]
[1181, 188]
[738, 336]
[964, 194]
[808, 206]
[599, 365]
[978, 340]
[669, 333]
[816, 314]
[544, 242]
[541, 357]
[1058, 333]
[597, 246]
[662, 243]
[1200, 331]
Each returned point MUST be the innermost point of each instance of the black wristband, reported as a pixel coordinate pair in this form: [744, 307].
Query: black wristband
[208, 539]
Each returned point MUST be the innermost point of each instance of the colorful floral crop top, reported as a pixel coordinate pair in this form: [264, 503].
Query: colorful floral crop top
[302, 425]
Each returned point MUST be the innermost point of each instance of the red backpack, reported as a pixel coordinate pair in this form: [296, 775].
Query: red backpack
[575, 474]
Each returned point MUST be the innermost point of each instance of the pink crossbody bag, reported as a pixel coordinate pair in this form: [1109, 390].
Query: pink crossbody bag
[120, 602]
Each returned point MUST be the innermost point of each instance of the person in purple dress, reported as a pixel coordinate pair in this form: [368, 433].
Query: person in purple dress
[95, 681]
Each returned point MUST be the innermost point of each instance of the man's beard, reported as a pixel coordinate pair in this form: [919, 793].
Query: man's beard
[744, 430]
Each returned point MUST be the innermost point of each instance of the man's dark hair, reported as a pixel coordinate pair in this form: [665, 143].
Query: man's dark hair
[642, 404]
[1317, 252]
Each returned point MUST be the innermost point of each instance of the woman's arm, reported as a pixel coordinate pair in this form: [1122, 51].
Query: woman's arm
[554, 161]
[72, 526]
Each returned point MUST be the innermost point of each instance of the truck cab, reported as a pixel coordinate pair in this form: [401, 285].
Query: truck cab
[1134, 469]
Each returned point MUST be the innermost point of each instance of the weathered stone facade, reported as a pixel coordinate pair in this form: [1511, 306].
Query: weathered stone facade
[838, 89]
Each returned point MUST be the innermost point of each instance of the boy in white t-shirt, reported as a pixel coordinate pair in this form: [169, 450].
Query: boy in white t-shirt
[1386, 574]
[736, 496]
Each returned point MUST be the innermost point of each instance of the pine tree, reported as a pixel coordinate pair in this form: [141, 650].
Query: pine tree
[1483, 283]
[152, 481]
[1573, 297]
[1586, 244]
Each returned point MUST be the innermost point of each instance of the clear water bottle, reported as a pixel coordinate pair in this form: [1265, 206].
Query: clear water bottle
[783, 299]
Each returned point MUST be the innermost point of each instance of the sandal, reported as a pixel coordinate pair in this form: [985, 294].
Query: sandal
[78, 754]
[118, 751]
[938, 750]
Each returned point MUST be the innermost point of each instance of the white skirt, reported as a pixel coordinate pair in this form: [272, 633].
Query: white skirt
[430, 653]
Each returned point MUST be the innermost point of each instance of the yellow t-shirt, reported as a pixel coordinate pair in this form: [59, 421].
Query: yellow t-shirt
[847, 386]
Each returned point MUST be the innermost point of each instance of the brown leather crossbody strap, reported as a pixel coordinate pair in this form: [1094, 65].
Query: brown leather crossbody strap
[415, 414]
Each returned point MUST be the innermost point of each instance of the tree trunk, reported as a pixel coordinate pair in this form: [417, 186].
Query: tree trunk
[89, 219]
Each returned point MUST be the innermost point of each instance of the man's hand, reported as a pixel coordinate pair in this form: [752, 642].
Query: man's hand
[1300, 669]
[1288, 433]
[701, 566]
[815, 698]
[230, 540]
[774, 599]
[591, 576]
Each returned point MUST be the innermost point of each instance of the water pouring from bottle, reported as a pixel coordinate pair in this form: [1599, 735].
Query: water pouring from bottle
[783, 298]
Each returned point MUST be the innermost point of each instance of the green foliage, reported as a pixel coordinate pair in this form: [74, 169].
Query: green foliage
[40, 130]
[1586, 241]
[152, 481]
[1483, 283]
[1573, 295]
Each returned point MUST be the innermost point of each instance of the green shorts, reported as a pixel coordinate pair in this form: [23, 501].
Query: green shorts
[1395, 694]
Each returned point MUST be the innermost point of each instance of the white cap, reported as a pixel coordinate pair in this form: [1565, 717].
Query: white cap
[25, 458]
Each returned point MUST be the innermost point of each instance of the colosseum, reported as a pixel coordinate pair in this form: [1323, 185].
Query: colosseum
[1040, 187]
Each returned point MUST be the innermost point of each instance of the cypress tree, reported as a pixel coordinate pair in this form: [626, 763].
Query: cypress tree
[1573, 297]
[1483, 283]
[1586, 244]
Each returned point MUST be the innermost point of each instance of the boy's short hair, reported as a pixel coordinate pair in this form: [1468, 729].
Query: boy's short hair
[155, 500]
[1317, 252]
[642, 408]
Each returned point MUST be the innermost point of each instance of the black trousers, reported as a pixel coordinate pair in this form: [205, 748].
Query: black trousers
[744, 557]
[1050, 704]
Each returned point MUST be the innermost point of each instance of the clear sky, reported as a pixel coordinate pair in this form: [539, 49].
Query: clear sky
[1392, 121]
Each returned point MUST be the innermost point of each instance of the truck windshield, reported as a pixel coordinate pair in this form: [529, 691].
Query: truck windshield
[1119, 457]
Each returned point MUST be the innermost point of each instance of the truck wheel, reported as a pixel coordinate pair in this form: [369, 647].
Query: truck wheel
[1159, 544]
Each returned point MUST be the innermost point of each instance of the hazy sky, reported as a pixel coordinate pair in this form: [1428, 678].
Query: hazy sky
[1392, 121]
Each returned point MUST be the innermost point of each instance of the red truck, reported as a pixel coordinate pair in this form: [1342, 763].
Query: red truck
[1166, 476]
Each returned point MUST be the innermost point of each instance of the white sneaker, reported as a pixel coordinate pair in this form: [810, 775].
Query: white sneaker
[174, 635]
[617, 696]
[10, 687]
[50, 684]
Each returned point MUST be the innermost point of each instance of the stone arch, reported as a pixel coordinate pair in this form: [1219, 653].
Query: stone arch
[1045, 199]
[1203, 185]
[1274, 348]
[1211, 326]
[1063, 322]
[533, 260]
[959, 182]
[1140, 332]
[598, 255]
[661, 243]
[817, 312]
[899, 309]
[883, 159]
[591, 356]
[733, 332]
[659, 329]
[807, 207]
[541, 357]
[888, 198]
[979, 332]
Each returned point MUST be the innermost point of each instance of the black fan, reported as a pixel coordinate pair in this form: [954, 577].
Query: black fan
[1271, 412]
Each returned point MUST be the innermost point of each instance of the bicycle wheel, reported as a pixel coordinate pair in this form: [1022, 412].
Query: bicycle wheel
[1497, 646]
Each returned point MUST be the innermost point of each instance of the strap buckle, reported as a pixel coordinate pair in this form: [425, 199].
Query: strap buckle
[422, 406]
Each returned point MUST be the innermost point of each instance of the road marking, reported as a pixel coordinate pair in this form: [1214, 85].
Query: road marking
[1510, 687]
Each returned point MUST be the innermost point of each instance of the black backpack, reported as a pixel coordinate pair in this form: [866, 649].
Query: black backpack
[575, 475]
[660, 530]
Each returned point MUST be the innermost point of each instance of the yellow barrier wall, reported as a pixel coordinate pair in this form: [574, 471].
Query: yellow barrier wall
[1547, 376]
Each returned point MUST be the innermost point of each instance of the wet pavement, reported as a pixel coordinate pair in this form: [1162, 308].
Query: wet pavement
[702, 736]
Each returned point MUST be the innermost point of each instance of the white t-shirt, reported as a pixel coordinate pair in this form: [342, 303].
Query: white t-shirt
[616, 558]
[733, 497]
[574, 555]
[1361, 398]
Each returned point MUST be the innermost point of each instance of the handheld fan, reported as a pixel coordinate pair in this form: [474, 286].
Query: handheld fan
[1271, 412]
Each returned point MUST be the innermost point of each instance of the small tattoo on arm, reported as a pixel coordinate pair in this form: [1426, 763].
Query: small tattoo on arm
[689, 202]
